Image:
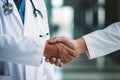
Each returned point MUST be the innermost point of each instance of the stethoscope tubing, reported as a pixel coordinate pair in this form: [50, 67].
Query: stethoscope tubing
[36, 10]
[8, 9]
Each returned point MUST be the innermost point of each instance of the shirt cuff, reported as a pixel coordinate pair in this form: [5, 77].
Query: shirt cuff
[39, 57]
[90, 47]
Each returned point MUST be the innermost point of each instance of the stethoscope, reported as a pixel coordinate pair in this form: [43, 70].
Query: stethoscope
[8, 9]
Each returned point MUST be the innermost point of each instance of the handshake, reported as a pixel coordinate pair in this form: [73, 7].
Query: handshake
[63, 50]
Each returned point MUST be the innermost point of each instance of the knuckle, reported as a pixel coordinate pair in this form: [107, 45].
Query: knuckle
[64, 37]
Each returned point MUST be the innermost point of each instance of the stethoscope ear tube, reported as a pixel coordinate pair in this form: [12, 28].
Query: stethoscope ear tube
[35, 11]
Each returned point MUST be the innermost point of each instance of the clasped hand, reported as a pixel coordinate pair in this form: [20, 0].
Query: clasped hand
[60, 50]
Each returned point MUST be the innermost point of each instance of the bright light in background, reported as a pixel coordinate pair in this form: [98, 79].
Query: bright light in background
[101, 16]
[63, 17]
[57, 3]
[101, 2]
[89, 17]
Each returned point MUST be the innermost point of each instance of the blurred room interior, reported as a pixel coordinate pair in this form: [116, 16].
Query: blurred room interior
[75, 18]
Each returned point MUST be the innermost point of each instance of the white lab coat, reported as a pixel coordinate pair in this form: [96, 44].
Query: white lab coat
[21, 48]
[103, 42]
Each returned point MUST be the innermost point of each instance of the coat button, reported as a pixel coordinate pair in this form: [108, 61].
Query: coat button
[47, 33]
[40, 36]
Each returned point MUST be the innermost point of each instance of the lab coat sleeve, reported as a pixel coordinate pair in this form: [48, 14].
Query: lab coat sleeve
[103, 42]
[21, 50]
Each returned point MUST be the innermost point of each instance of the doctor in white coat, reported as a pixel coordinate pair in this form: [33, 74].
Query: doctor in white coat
[95, 44]
[22, 45]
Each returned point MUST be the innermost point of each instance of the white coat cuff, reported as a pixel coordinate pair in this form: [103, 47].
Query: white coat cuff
[39, 57]
[90, 47]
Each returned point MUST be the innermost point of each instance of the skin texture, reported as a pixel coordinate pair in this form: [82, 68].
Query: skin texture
[78, 45]
[59, 52]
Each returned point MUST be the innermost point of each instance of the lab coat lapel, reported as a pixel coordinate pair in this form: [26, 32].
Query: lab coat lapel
[28, 19]
[35, 26]
[16, 13]
[32, 24]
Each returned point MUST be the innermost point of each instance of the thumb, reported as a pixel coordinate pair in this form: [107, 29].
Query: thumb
[65, 40]
[61, 39]
[53, 40]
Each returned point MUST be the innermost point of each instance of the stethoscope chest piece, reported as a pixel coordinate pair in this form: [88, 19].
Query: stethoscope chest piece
[7, 8]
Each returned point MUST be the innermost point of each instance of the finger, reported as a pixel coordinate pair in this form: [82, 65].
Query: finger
[61, 39]
[73, 53]
[69, 57]
[63, 54]
[61, 64]
[47, 60]
[68, 42]
[69, 53]
[65, 60]
[65, 40]
[53, 40]
[58, 62]
[52, 60]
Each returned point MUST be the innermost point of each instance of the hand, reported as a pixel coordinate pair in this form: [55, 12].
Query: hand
[68, 42]
[65, 40]
[60, 51]
[79, 45]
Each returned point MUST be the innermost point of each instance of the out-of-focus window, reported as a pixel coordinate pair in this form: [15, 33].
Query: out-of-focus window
[75, 18]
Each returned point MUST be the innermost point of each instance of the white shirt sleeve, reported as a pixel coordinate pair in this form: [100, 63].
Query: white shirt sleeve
[103, 42]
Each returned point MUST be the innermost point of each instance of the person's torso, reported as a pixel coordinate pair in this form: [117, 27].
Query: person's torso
[33, 27]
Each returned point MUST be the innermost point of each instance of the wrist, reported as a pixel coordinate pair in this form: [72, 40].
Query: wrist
[81, 45]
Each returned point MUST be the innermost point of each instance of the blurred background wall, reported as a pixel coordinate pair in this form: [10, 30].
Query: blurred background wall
[75, 18]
